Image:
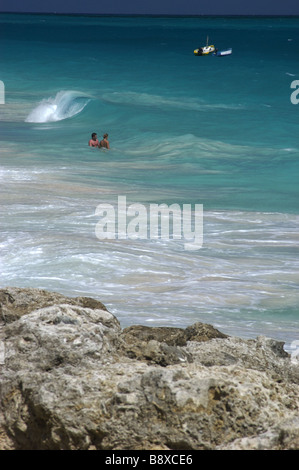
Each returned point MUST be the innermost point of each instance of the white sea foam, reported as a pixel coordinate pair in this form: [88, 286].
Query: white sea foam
[64, 105]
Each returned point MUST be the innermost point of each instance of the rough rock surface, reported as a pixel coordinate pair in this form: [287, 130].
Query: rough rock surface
[72, 378]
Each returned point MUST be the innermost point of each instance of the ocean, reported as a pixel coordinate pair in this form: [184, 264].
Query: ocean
[221, 132]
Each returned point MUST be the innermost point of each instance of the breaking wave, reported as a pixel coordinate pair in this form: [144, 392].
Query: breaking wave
[64, 105]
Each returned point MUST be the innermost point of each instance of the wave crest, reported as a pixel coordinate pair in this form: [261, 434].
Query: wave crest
[64, 105]
[145, 99]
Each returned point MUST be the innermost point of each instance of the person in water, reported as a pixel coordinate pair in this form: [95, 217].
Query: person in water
[104, 142]
[94, 140]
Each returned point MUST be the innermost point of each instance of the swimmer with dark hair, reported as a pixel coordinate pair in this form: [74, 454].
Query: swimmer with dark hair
[94, 140]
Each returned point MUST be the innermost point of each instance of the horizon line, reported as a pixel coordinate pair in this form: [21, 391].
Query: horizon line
[156, 15]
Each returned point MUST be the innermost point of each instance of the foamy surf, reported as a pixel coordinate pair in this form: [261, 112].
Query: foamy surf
[64, 105]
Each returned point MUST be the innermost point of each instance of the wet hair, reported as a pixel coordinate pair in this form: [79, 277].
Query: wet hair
[105, 135]
[93, 134]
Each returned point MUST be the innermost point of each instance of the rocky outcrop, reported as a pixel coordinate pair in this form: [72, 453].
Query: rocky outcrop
[16, 302]
[72, 378]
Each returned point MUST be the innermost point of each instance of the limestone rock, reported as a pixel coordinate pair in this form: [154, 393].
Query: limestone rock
[15, 302]
[283, 436]
[164, 345]
[71, 378]
[154, 345]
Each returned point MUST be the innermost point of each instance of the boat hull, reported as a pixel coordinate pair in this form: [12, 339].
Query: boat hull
[223, 53]
[206, 50]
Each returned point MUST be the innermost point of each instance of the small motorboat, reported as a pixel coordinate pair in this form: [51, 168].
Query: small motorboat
[223, 53]
[205, 50]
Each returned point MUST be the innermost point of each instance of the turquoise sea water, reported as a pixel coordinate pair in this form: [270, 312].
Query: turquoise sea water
[221, 132]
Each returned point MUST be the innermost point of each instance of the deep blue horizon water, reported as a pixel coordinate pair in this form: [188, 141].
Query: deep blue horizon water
[221, 132]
